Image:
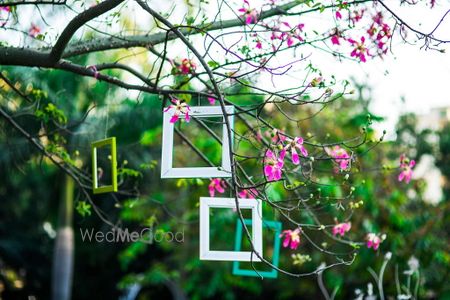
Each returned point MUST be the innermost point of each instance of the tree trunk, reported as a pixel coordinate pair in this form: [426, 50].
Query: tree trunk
[64, 246]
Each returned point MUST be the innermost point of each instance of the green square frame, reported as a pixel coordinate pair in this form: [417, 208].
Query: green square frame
[276, 226]
[108, 188]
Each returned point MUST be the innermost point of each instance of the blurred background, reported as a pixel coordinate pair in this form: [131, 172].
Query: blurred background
[37, 199]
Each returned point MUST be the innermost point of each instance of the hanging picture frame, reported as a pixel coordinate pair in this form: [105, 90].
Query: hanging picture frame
[205, 250]
[223, 171]
[276, 228]
[113, 186]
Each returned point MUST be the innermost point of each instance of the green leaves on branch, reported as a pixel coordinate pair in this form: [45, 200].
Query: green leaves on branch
[83, 208]
[51, 113]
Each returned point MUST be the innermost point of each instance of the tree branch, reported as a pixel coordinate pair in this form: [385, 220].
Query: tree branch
[49, 57]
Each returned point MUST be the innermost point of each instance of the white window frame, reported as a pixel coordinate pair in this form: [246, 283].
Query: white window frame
[255, 205]
[167, 169]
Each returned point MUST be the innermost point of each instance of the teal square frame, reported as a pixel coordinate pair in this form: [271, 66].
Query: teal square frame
[276, 226]
[113, 186]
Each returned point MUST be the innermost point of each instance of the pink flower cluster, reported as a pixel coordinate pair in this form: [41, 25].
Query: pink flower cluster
[248, 194]
[216, 185]
[293, 146]
[291, 238]
[187, 66]
[340, 156]
[180, 107]
[360, 51]
[273, 165]
[380, 33]
[406, 167]
[250, 14]
[273, 162]
[373, 241]
[341, 228]
[288, 35]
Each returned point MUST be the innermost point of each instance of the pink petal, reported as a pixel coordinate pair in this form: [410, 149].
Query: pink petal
[277, 174]
[286, 241]
[211, 191]
[295, 157]
[335, 40]
[282, 154]
[290, 41]
[188, 117]
[174, 119]
[268, 170]
[362, 57]
[303, 151]
[220, 189]
[211, 100]
[408, 177]
[269, 154]
[294, 244]
[401, 176]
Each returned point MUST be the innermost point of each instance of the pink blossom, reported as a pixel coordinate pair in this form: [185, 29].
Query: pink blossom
[341, 228]
[360, 50]
[406, 165]
[216, 185]
[290, 41]
[250, 194]
[357, 16]
[338, 15]
[34, 30]
[294, 32]
[291, 237]
[250, 14]
[340, 156]
[373, 241]
[187, 66]
[335, 39]
[212, 100]
[273, 165]
[276, 136]
[294, 145]
[258, 44]
[180, 107]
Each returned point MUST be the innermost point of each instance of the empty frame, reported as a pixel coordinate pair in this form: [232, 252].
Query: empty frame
[167, 169]
[206, 254]
[113, 186]
[276, 228]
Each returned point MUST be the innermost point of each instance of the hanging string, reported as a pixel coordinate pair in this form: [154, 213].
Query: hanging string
[107, 112]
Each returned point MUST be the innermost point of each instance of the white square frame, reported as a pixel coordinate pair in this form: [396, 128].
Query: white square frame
[255, 205]
[168, 171]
